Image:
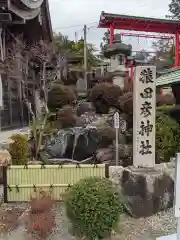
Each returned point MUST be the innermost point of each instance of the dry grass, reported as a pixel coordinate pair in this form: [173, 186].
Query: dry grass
[40, 220]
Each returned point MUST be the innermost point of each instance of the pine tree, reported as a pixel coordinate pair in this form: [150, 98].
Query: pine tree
[174, 9]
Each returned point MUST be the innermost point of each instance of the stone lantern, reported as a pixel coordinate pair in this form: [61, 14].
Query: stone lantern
[117, 52]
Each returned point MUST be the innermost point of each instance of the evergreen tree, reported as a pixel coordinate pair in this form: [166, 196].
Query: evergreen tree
[71, 49]
[174, 9]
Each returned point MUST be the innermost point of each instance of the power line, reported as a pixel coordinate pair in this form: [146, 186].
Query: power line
[85, 53]
[95, 24]
[73, 26]
[80, 25]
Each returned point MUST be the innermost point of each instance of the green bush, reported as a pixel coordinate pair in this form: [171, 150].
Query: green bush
[164, 108]
[126, 102]
[94, 207]
[60, 95]
[165, 99]
[167, 137]
[104, 96]
[19, 149]
[66, 117]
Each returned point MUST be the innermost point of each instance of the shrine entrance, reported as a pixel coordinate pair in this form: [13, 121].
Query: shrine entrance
[166, 28]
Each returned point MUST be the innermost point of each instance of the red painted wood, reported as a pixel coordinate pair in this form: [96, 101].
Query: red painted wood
[111, 33]
[132, 23]
[177, 50]
[141, 25]
[146, 35]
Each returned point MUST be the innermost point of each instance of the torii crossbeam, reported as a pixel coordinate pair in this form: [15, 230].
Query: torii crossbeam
[141, 24]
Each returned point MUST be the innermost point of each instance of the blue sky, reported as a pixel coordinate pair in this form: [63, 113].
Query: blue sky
[69, 16]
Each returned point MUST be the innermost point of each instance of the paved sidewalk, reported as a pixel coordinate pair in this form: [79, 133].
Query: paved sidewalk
[4, 135]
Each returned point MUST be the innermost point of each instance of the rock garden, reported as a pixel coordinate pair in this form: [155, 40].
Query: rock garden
[79, 130]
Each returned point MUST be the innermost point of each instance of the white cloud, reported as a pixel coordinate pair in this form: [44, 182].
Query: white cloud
[67, 13]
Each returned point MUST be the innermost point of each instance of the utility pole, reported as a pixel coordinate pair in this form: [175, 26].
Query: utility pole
[85, 54]
[75, 37]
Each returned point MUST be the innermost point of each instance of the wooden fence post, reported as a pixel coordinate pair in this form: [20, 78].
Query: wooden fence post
[5, 196]
[107, 170]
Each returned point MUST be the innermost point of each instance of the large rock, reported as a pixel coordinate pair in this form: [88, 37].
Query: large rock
[104, 125]
[108, 155]
[105, 155]
[76, 143]
[105, 128]
[125, 154]
[94, 136]
[85, 119]
[145, 191]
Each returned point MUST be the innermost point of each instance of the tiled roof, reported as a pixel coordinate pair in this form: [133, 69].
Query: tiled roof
[169, 76]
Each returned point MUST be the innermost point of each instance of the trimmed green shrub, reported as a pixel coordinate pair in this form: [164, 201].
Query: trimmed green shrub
[104, 96]
[93, 205]
[166, 99]
[164, 108]
[19, 149]
[59, 96]
[66, 117]
[126, 102]
[167, 137]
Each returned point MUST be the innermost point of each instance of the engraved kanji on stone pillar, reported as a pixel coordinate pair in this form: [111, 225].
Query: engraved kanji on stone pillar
[144, 110]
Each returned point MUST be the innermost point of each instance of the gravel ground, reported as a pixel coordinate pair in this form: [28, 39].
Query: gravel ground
[129, 228]
[149, 228]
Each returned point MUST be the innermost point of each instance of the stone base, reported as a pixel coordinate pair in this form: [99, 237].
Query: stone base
[145, 191]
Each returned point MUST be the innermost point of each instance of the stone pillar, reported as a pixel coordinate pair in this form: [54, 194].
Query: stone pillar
[81, 84]
[144, 110]
[118, 69]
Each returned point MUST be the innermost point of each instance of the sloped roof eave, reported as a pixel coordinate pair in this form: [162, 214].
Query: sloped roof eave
[26, 15]
[168, 79]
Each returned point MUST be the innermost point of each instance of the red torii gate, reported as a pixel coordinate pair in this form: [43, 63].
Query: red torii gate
[141, 24]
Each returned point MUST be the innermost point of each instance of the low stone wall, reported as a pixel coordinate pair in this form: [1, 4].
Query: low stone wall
[145, 191]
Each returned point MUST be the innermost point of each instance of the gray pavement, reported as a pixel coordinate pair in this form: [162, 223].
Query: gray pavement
[4, 135]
